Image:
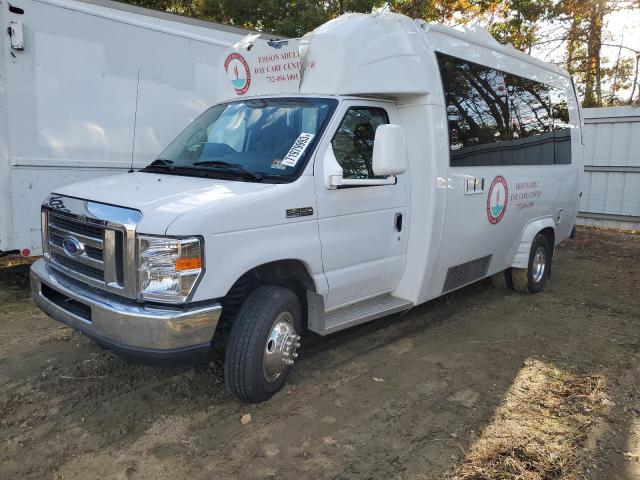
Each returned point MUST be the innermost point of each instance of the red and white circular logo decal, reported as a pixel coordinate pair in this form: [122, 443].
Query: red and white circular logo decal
[497, 199]
[238, 73]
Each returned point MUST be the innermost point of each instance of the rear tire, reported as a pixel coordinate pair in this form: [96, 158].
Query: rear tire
[264, 335]
[533, 278]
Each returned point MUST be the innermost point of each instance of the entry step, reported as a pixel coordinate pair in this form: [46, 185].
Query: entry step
[363, 312]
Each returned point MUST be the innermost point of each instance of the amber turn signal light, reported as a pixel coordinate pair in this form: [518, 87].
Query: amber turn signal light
[187, 264]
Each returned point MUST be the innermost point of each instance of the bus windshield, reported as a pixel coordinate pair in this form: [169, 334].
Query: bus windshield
[249, 140]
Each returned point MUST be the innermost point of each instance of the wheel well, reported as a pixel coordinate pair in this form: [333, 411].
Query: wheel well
[551, 237]
[287, 273]
[292, 274]
[550, 234]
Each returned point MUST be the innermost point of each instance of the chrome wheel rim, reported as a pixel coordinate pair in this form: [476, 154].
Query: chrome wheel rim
[280, 347]
[539, 264]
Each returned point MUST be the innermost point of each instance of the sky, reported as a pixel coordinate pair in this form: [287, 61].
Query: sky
[621, 28]
[624, 28]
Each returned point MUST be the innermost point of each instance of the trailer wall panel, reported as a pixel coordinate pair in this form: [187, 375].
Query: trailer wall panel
[611, 180]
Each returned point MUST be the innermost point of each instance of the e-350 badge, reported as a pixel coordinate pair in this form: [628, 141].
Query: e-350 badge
[299, 212]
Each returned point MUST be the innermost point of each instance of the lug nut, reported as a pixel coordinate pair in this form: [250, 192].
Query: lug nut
[295, 355]
[288, 361]
[297, 344]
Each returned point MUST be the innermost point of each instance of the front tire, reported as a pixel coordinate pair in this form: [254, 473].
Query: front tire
[262, 343]
[533, 278]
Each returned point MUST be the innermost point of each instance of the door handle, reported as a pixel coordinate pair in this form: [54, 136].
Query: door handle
[398, 222]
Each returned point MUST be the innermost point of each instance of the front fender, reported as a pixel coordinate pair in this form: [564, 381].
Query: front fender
[531, 229]
[230, 255]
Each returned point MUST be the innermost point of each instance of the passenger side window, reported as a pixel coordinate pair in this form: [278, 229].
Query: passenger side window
[530, 107]
[561, 126]
[531, 137]
[498, 118]
[353, 142]
[477, 109]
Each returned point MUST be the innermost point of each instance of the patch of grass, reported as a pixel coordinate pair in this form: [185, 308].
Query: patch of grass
[540, 430]
[555, 375]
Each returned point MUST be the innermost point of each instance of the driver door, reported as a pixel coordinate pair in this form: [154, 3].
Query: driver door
[362, 226]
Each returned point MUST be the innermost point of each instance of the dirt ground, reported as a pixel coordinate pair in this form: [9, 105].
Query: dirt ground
[483, 383]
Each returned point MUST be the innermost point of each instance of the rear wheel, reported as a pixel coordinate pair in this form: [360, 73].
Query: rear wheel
[262, 344]
[533, 278]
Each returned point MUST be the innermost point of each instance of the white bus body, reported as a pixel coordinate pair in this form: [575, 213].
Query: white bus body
[368, 167]
[75, 78]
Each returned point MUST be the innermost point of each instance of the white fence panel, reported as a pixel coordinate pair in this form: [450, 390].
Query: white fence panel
[611, 180]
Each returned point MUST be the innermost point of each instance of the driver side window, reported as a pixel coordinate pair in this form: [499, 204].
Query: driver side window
[353, 142]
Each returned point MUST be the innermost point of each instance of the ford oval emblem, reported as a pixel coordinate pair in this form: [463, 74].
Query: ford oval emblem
[72, 246]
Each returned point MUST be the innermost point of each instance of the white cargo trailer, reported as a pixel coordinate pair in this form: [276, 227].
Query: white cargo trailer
[92, 88]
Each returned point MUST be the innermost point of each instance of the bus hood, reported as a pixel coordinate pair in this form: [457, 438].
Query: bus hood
[164, 198]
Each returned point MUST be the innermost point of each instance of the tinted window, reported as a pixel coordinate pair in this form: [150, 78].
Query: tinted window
[497, 118]
[530, 107]
[477, 108]
[531, 130]
[561, 127]
[353, 142]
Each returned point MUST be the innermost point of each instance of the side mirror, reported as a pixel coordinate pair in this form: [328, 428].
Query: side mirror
[332, 170]
[389, 151]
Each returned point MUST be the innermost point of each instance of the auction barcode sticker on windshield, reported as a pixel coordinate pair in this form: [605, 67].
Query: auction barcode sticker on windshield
[297, 149]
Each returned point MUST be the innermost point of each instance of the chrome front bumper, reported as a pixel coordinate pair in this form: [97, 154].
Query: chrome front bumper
[135, 331]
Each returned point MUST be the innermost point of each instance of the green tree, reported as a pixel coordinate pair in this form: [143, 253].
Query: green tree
[191, 8]
[289, 18]
[518, 22]
[521, 20]
[584, 22]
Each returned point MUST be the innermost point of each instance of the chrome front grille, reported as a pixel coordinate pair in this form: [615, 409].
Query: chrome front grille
[91, 261]
[92, 231]
[78, 267]
[92, 242]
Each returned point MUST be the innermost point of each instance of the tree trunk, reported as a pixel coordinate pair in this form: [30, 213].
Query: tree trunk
[417, 6]
[593, 76]
[616, 69]
[635, 82]
[572, 40]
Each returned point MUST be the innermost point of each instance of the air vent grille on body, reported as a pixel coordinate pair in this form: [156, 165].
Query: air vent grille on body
[466, 273]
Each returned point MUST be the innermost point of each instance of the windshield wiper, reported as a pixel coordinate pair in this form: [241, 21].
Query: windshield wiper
[161, 162]
[229, 166]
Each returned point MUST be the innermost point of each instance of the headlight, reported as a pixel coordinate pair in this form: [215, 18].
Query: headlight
[168, 268]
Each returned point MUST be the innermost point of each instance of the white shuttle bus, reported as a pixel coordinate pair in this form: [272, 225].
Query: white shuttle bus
[370, 166]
